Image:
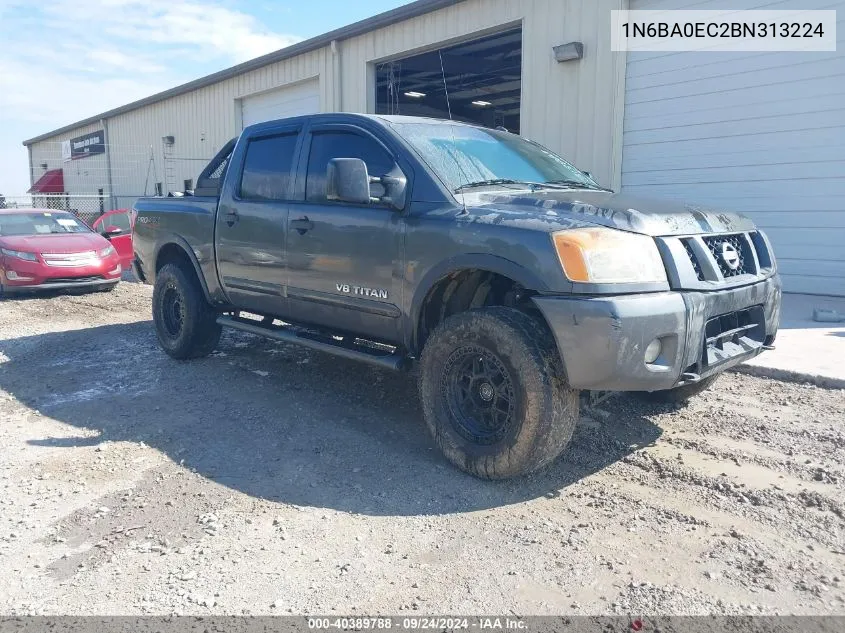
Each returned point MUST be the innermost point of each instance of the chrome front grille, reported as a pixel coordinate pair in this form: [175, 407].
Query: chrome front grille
[739, 246]
[706, 262]
[70, 260]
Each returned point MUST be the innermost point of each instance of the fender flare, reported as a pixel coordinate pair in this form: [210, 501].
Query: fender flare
[182, 244]
[480, 261]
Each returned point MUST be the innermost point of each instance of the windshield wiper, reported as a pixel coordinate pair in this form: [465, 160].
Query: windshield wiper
[493, 181]
[578, 183]
[554, 184]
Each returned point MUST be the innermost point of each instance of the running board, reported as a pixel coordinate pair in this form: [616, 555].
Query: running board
[287, 334]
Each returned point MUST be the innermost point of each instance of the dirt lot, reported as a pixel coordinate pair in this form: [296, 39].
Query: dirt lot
[269, 479]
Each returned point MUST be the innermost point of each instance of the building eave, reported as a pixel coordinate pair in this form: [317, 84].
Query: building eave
[399, 14]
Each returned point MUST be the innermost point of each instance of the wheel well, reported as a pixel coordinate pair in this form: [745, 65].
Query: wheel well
[173, 254]
[466, 289]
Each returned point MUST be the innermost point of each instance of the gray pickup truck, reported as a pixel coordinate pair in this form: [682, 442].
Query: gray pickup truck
[512, 280]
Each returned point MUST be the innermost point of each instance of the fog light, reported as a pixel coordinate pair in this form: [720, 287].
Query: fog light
[652, 352]
[11, 275]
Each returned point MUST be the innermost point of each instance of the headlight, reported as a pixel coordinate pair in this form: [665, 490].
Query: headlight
[108, 250]
[30, 257]
[606, 256]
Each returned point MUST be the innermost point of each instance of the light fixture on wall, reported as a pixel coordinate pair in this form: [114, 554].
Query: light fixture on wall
[569, 52]
[415, 95]
[43, 165]
[168, 140]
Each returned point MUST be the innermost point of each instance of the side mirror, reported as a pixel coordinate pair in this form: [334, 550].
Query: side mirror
[347, 180]
[111, 231]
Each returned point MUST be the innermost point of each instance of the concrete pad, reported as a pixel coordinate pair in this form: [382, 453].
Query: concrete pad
[806, 351]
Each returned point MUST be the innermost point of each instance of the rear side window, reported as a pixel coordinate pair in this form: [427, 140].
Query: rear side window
[328, 145]
[267, 168]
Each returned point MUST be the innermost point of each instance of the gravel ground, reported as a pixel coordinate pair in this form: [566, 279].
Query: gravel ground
[270, 479]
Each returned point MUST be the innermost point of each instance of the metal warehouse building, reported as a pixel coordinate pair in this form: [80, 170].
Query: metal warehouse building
[761, 133]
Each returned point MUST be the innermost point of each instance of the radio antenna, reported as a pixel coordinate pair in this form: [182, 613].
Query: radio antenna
[451, 126]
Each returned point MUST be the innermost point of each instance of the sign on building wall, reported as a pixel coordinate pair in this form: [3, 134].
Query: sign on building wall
[87, 145]
[66, 151]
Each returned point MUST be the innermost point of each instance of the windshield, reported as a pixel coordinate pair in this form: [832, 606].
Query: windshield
[40, 223]
[462, 155]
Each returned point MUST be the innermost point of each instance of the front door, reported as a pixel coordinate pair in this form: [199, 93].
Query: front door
[122, 242]
[252, 221]
[344, 260]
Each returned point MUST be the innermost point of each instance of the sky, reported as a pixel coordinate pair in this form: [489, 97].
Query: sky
[66, 60]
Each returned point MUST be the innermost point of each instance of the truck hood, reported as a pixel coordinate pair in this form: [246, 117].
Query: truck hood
[55, 242]
[561, 209]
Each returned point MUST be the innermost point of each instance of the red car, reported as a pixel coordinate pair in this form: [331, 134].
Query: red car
[118, 224]
[46, 249]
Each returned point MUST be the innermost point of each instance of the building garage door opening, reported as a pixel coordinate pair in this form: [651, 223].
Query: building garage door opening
[483, 77]
[287, 101]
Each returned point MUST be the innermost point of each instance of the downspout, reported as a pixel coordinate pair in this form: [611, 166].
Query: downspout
[338, 88]
[112, 199]
[31, 170]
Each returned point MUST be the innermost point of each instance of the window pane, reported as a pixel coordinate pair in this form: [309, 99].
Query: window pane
[461, 154]
[120, 220]
[267, 168]
[328, 145]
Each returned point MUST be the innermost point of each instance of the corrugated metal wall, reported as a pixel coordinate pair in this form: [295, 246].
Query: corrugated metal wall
[573, 107]
[759, 133]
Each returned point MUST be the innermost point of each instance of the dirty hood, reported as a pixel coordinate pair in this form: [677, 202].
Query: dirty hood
[555, 210]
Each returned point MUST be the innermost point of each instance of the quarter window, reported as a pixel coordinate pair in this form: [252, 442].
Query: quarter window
[328, 145]
[267, 168]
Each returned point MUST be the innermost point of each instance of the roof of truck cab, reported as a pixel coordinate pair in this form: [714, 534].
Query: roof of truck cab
[346, 117]
[343, 117]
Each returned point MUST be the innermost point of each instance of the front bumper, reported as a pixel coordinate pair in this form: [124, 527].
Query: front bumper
[602, 340]
[23, 275]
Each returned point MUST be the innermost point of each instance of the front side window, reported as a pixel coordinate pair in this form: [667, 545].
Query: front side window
[328, 145]
[120, 220]
[267, 168]
[40, 223]
[464, 155]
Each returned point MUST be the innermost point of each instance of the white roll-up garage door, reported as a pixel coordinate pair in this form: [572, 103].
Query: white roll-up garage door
[760, 133]
[300, 98]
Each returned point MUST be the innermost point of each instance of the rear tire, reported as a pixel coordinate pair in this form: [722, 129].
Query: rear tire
[493, 393]
[678, 395]
[186, 325]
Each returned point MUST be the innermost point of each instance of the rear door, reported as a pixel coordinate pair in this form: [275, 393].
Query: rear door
[252, 220]
[344, 260]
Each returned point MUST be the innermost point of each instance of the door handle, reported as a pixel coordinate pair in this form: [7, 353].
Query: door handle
[302, 225]
[232, 217]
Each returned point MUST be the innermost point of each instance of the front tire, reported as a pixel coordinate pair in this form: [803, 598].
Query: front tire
[186, 325]
[493, 393]
[679, 395]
